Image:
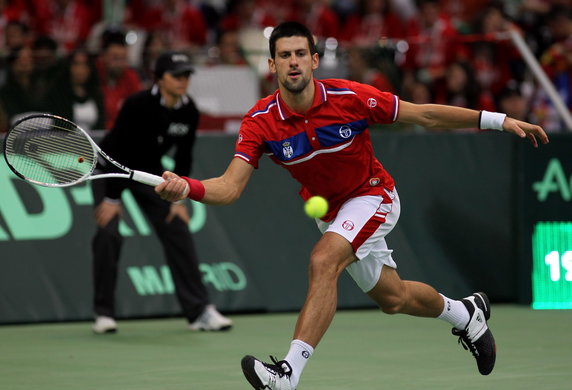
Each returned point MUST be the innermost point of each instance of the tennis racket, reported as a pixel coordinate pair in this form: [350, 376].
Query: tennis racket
[51, 151]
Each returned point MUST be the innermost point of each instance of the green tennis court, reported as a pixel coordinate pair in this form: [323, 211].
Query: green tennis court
[363, 349]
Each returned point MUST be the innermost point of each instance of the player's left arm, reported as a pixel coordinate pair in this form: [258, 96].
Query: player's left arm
[451, 117]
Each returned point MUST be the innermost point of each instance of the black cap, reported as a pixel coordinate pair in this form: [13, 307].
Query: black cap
[174, 63]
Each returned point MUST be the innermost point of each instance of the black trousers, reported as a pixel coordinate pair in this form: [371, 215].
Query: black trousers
[178, 247]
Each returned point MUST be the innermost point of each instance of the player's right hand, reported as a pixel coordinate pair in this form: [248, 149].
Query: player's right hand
[174, 188]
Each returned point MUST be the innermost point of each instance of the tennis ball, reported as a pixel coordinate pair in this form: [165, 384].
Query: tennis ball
[316, 207]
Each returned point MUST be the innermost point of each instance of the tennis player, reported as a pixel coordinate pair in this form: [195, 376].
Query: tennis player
[318, 131]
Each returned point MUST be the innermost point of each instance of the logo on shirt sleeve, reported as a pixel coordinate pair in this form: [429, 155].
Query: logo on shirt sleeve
[371, 102]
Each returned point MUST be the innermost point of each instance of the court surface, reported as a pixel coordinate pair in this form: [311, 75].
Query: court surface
[363, 349]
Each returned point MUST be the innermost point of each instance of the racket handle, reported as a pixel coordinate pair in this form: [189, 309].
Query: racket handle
[146, 178]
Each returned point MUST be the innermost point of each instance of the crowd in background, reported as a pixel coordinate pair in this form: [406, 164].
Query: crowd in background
[81, 58]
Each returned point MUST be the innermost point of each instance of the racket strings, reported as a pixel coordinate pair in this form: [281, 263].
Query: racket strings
[50, 151]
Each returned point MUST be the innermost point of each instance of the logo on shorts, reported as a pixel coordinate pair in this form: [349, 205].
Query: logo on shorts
[374, 181]
[287, 149]
[345, 131]
[348, 225]
[371, 102]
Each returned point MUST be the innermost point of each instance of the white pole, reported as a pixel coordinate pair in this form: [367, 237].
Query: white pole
[541, 77]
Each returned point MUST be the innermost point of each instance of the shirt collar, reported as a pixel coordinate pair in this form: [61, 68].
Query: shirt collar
[182, 100]
[320, 96]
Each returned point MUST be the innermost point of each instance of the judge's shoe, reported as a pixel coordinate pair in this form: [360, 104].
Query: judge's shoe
[104, 324]
[211, 320]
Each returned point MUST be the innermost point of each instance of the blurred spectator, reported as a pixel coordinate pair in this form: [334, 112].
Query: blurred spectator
[462, 13]
[360, 69]
[227, 50]
[46, 64]
[556, 61]
[78, 96]
[243, 14]
[511, 101]
[372, 21]
[462, 89]
[68, 22]
[155, 45]
[16, 34]
[117, 79]
[182, 23]
[318, 16]
[432, 44]
[18, 95]
[11, 11]
[495, 60]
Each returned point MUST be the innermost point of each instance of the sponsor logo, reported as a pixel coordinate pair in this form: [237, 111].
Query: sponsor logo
[345, 131]
[287, 149]
[374, 181]
[178, 129]
[305, 354]
[348, 225]
[555, 181]
[371, 102]
[151, 280]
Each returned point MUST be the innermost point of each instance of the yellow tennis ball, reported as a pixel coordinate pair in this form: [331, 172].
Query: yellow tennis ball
[316, 207]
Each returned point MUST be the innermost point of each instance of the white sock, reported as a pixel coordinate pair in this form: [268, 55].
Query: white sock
[455, 313]
[298, 356]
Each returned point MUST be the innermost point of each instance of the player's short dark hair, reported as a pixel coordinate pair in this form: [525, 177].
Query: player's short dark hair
[291, 29]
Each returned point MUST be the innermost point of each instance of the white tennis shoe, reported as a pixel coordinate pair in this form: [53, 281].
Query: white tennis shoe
[211, 320]
[267, 376]
[104, 324]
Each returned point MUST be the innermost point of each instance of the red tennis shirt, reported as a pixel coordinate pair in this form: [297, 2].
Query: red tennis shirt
[328, 149]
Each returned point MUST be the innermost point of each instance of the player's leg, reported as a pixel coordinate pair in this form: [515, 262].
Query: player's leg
[106, 249]
[328, 259]
[468, 316]
[331, 255]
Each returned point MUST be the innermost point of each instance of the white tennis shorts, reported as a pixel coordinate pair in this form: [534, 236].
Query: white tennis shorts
[365, 221]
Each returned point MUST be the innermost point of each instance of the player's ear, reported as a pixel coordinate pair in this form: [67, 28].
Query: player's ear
[315, 61]
[272, 65]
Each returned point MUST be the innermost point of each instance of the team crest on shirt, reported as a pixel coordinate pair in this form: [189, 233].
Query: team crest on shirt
[371, 102]
[345, 131]
[374, 181]
[287, 149]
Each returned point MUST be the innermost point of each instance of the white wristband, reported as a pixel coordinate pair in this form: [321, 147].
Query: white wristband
[491, 120]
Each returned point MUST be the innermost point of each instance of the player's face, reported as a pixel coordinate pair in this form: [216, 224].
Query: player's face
[293, 63]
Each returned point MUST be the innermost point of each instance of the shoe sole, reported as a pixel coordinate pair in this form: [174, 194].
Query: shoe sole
[221, 329]
[106, 331]
[247, 365]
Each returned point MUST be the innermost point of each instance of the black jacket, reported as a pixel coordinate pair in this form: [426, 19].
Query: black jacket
[145, 130]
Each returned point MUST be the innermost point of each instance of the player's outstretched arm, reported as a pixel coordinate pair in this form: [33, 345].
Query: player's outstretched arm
[220, 190]
[451, 117]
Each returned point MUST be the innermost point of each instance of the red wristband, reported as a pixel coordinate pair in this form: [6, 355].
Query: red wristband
[196, 189]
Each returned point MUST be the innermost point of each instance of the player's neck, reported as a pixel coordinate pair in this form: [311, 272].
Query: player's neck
[299, 102]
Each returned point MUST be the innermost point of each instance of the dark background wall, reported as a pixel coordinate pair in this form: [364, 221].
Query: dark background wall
[461, 230]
